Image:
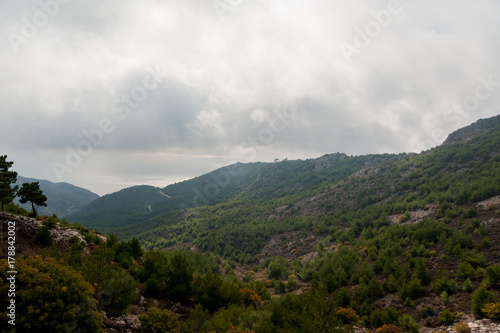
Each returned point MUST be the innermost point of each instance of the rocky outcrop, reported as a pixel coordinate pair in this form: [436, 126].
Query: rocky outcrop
[128, 324]
[468, 133]
[30, 226]
[25, 232]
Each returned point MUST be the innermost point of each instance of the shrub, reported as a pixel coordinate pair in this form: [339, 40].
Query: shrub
[409, 302]
[467, 286]
[158, 321]
[462, 327]
[427, 311]
[493, 275]
[212, 292]
[292, 284]
[411, 289]
[279, 287]
[249, 296]
[446, 317]
[389, 328]
[378, 317]
[152, 287]
[466, 271]
[444, 298]
[480, 298]
[50, 297]
[443, 283]
[278, 268]
[43, 236]
[346, 316]
[117, 292]
[486, 244]
[408, 324]
[471, 212]
[49, 221]
[492, 311]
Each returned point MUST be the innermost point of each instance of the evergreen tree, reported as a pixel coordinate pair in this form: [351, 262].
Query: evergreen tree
[31, 192]
[7, 192]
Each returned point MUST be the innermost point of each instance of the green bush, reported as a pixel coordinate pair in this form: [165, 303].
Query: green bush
[159, 321]
[444, 298]
[411, 289]
[467, 286]
[427, 311]
[466, 271]
[43, 236]
[213, 292]
[480, 298]
[493, 275]
[446, 317]
[117, 292]
[409, 302]
[468, 213]
[408, 324]
[278, 268]
[443, 283]
[50, 297]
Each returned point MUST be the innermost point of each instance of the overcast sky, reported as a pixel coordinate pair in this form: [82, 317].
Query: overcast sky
[110, 94]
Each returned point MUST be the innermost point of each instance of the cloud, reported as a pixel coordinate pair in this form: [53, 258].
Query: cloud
[231, 80]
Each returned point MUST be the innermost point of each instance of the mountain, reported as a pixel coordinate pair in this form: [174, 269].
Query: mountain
[142, 207]
[62, 198]
[237, 210]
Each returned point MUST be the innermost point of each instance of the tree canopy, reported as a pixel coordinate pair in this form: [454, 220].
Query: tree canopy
[31, 192]
[7, 178]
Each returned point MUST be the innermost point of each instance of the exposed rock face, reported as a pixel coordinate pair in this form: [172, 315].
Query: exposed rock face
[489, 204]
[31, 225]
[26, 229]
[129, 324]
[468, 133]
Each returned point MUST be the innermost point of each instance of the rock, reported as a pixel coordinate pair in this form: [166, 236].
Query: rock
[63, 235]
[122, 323]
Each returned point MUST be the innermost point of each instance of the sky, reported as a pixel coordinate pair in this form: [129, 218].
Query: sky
[111, 94]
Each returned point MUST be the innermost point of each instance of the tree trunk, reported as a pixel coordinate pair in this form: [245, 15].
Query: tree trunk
[33, 207]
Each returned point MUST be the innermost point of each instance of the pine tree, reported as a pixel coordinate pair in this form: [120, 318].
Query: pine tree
[7, 192]
[31, 192]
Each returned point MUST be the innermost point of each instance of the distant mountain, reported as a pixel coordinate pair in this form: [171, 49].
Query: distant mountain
[141, 208]
[137, 204]
[62, 198]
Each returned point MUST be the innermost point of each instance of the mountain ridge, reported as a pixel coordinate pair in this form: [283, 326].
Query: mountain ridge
[62, 198]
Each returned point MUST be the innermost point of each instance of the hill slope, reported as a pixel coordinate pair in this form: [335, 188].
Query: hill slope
[62, 198]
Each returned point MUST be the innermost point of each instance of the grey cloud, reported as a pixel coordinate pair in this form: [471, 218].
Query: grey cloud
[264, 55]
